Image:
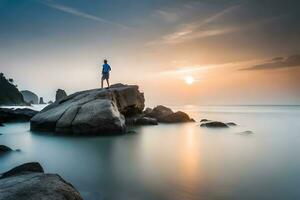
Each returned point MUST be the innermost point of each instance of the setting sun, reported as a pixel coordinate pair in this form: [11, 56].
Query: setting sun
[189, 80]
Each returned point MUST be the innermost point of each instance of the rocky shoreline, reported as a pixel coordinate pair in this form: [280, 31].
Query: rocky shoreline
[91, 112]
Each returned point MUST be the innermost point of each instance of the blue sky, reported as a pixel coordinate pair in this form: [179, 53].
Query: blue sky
[50, 44]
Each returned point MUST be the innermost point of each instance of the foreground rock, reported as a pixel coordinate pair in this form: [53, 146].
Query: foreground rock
[60, 94]
[28, 182]
[214, 124]
[30, 97]
[15, 115]
[97, 111]
[166, 115]
[4, 149]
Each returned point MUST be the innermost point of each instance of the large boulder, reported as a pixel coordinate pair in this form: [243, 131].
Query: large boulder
[60, 94]
[30, 97]
[97, 111]
[166, 115]
[29, 182]
[14, 115]
[9, 93]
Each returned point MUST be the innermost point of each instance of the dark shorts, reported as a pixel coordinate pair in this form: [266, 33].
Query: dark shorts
[105, 76]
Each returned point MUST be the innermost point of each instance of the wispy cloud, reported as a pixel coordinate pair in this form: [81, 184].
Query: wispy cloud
[277, 63]
[191, 31]
[193, 69]
[79, 13]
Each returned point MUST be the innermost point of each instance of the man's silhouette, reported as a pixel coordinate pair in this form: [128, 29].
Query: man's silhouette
[105, 73]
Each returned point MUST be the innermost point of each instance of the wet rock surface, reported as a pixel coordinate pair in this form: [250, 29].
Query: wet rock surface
[164, 114]
[97, 111]
[15, 115]
[29, 182]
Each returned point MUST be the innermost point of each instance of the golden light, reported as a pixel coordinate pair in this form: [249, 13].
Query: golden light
[189, 80]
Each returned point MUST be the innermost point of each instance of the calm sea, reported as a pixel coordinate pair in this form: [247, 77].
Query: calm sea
[176, 162]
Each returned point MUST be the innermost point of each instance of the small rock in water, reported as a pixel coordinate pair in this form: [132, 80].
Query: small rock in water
[1, 124]
[214, 124]
[204, 120]
[4, 149]
[246, 133]
[231, 124]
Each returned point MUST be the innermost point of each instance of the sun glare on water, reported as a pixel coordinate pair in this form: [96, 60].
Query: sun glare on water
[189, 80]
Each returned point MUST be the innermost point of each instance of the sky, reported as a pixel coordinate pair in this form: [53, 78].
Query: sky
[179, 52]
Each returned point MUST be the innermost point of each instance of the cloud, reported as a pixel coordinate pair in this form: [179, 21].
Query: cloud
[79, 13]
[166, 15]
[192, 31]
[278, 63]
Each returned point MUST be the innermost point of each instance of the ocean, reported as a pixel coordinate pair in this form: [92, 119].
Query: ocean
[257, 159]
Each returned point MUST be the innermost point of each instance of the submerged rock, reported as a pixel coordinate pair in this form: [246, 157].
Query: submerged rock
[141, 120]
[13, 115]
[29, 182]
[246, 133]
[214, 124]
[30, 97]
[166, 115]
[231, 124]
[4, 149]
[204, 120]
[97, 111]
[60, 94]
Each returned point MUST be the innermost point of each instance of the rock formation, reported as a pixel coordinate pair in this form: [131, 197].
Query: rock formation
[29, 182]
[214, 124]
[141, 120]
[97, 111]
[30, 97]
[102, 111]
[41, 101]
[9, 94]
[166, 115]
[14, 115]
[60, 94]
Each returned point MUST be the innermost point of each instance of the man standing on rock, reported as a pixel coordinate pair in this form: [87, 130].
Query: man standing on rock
[105, 73]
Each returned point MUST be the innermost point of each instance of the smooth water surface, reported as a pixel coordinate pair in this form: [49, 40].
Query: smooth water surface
[175, 162]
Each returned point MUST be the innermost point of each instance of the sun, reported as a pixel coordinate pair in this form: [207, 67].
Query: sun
[189, 80]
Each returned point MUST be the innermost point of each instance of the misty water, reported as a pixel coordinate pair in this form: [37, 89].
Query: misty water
[179, 161]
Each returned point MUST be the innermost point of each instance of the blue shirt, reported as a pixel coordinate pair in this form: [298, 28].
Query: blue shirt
[105, 68]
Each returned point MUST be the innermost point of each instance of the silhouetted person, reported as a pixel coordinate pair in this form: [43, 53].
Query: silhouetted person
[105, 73]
